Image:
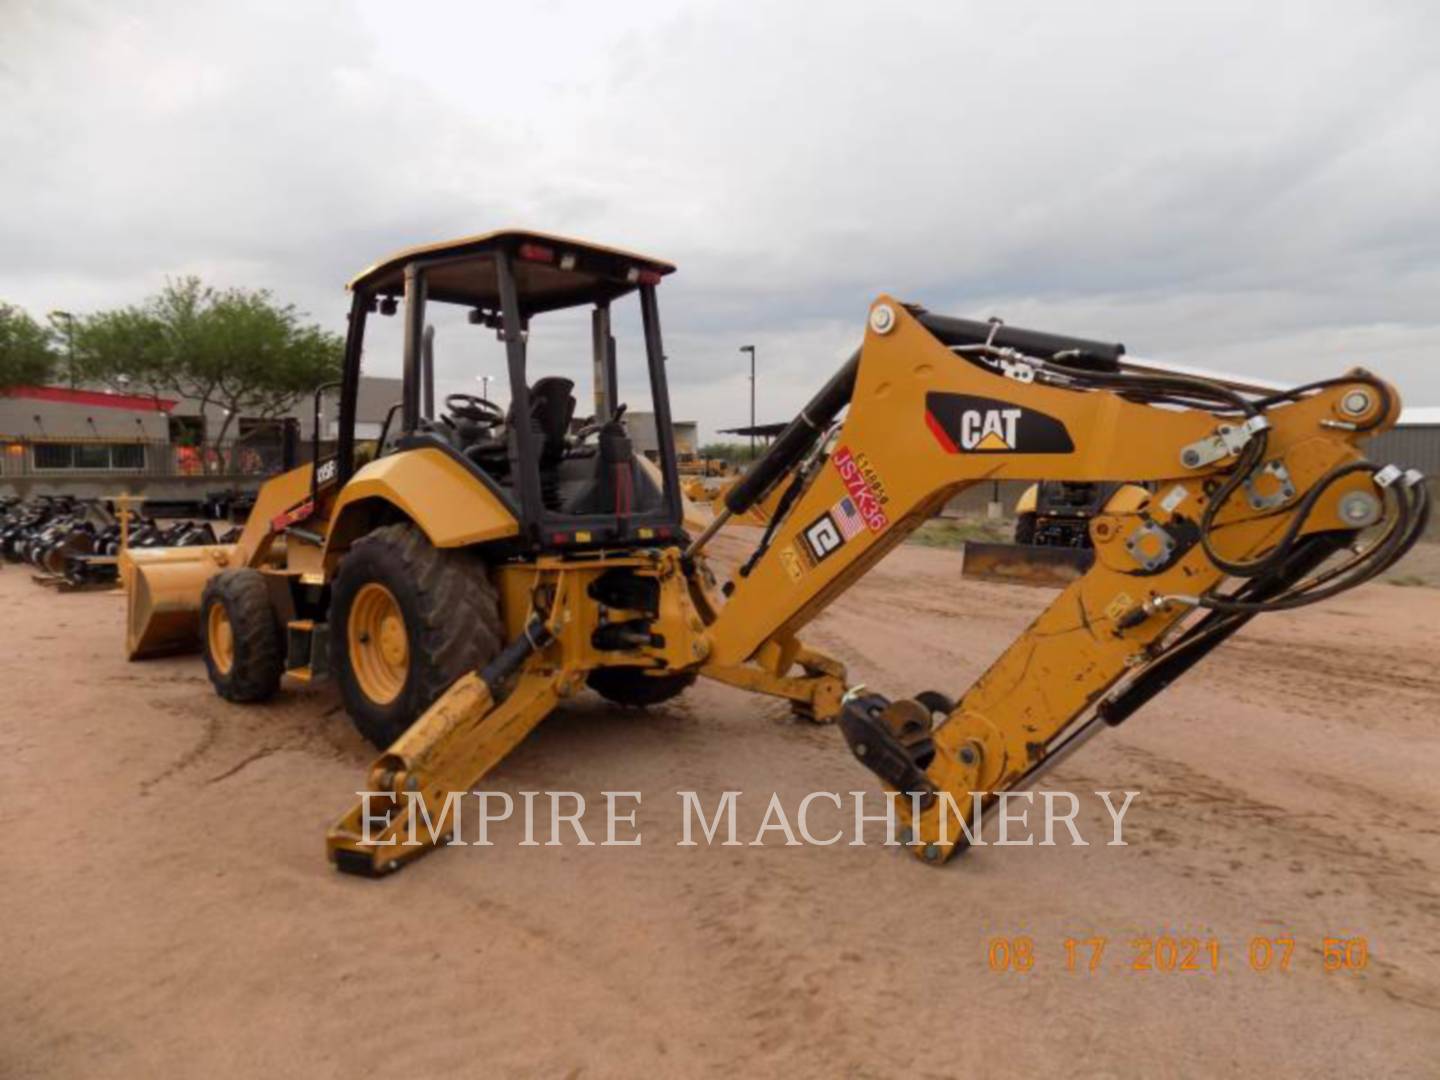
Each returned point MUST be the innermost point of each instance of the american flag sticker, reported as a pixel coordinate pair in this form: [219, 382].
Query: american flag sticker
[847, 517]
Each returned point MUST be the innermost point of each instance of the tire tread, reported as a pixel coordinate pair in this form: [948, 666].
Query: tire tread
[458, 629]
[259, 660]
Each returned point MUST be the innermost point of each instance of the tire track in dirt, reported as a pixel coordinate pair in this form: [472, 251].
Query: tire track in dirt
[307, 722]
[667, 961]
[1212, 830]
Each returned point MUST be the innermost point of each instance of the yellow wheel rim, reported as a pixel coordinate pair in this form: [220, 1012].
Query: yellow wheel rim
[379, 646]
[221, 636]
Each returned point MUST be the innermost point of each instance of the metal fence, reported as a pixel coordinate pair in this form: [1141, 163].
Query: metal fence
[59, 458]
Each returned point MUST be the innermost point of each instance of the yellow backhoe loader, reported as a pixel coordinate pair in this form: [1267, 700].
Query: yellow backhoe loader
[489, 562]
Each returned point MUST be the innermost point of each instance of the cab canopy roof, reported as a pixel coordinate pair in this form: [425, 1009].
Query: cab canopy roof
[550, 271]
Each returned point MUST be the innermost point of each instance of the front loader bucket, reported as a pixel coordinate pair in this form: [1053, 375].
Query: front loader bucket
[162, 594]
[1026, 564]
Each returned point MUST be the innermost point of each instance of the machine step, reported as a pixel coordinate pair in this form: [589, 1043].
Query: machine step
[307, 650]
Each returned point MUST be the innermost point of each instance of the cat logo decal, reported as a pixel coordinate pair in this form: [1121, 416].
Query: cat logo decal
[965, 424]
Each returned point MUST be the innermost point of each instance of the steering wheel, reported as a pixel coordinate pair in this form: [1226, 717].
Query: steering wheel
[475, 409]
[594, 424]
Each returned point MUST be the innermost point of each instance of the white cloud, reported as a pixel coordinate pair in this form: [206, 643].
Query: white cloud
[1248, 186]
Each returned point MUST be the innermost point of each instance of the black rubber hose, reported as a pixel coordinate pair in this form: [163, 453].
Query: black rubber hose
[1250, 458]
[1282, 546]
[1414, 513]
[1298, 392]
[1158, 386]
[1037, 343]
[1215, 628]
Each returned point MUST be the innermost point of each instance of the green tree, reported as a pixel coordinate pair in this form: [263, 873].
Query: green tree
[236, 350]
[125, 350]
[26, 355]
[257, 358]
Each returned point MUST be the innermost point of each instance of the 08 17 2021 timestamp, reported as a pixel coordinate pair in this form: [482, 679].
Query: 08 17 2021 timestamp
[1172, 954]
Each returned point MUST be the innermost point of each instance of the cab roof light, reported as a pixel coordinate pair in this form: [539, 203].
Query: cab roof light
[536, 253]
[643, 277]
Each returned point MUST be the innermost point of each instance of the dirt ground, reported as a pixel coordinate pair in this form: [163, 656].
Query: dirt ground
[168, 910]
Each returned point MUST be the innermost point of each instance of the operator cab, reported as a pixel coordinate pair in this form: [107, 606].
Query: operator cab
[573, 479]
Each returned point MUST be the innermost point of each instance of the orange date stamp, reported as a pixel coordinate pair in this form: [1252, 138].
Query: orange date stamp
[1172, 954]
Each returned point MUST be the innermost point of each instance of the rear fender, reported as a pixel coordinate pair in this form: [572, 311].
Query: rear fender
[452, 506]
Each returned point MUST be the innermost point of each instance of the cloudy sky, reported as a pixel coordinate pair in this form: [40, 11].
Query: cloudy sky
[1248, 187]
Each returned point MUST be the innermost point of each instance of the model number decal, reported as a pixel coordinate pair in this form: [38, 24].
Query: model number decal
[864, 486]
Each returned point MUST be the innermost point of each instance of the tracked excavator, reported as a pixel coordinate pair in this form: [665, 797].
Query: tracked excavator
[489, 562]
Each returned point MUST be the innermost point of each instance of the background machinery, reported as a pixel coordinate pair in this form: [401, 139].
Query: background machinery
[1054, 513]
[488, 563]
[1052, 535]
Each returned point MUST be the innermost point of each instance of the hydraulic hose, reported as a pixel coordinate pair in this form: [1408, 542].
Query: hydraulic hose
[1037, 343]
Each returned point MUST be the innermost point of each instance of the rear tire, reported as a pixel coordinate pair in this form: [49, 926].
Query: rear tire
[425, 617]
[241, 636]
[1025, 529]
[631, 686]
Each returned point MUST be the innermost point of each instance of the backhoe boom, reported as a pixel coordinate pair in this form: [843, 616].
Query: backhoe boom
[1221, 489]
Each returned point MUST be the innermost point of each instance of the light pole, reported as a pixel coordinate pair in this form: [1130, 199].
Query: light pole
[751, 350]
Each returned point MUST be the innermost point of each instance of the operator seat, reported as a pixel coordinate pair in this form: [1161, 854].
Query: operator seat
[552, 406]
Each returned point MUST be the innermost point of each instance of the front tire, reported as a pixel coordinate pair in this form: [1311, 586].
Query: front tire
[407, 620]
[241, 636]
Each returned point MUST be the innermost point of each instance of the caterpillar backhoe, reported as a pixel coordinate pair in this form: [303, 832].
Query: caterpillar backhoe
[489, 562]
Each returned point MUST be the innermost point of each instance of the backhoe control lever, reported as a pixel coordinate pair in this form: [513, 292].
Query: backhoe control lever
[868, 733]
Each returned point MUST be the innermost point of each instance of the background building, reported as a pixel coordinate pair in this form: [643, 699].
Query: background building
[1413, 443]
[641, 426]
[90, 442]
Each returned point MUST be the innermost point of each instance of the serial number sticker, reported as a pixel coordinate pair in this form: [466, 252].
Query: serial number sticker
[1173, 498]
[1167, 953]
[863, 484]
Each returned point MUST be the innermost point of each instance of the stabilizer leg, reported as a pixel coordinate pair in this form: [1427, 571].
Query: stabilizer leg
[415, 786]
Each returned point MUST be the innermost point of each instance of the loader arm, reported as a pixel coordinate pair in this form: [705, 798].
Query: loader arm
[1249, 498]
